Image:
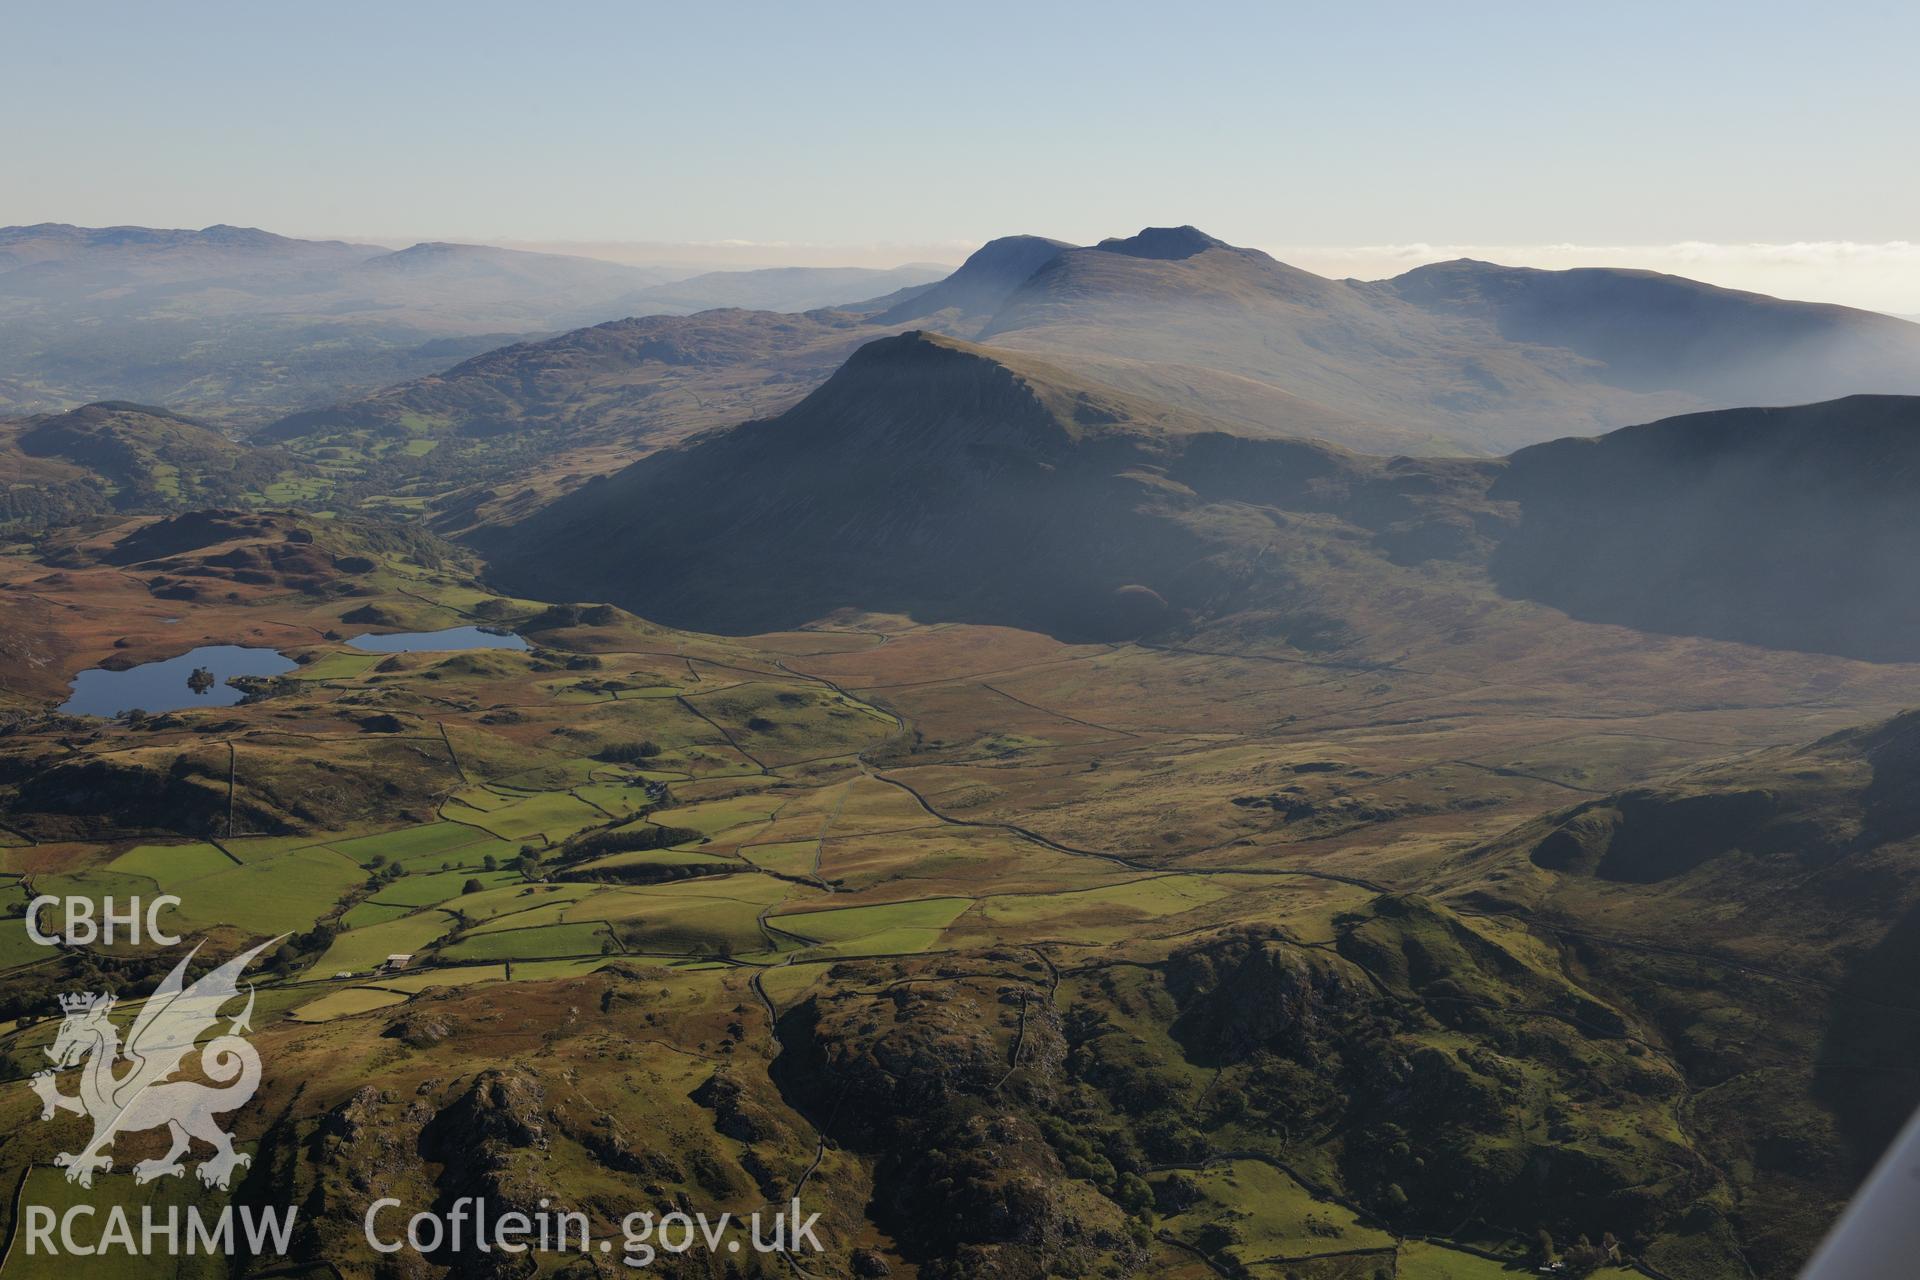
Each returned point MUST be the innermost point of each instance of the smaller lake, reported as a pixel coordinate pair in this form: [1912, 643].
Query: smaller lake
[436, 641]
[162, 686]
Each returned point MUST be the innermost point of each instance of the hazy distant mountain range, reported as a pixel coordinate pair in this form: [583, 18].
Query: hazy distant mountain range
[1476, 355]
[1463, 357]
[1154, 431]
[238, 323]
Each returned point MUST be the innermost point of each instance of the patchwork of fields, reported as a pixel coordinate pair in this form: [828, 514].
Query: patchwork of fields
[1169, 894]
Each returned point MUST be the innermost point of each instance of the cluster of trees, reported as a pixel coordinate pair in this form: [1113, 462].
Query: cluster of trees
[1581, 1258]
[573, 615]
[627, 752]
[527, 864]
[384, 872]
[296, 950]
[635, 836]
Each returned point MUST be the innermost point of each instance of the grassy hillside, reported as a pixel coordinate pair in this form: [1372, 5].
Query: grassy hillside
[134, 458]
[1761, 913]
[498, 435]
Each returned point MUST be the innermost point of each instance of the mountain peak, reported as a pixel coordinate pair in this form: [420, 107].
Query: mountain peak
[985, 280]
[1166, 243]
[1001, 251]
[222, 233]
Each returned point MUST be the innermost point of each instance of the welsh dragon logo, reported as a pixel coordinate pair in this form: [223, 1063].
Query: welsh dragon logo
[129, 1089]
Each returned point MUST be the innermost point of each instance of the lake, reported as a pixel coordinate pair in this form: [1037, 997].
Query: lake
[162, 685]
[435, 641]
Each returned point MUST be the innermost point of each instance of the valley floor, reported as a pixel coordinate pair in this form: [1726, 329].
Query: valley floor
[1009, 956]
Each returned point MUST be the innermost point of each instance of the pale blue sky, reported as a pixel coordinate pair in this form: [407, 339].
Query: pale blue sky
[924, 124]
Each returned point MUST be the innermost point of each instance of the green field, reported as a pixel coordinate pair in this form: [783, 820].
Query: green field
[350, 1000]
[48, 1187]
[542, 817]
[425, 979]
[278, 895]
[1111, 909]
[357, 951]
[260, 848]
[16, 948]
[706, 915]
[282, 893]
[168, 865]
[788, 857]
[656, 858]
[714, 816]
[547, 970]
[1272, 1216]
[615, 797]
[426, 889]
[882, 929]
[539, 942]
[362, 914]
[428, 846]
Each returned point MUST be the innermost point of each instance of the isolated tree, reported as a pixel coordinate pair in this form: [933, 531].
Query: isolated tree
[472, 886]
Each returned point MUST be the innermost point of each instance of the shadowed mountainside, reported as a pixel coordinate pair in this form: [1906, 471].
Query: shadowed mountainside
[1794, 528]
[955, 481]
